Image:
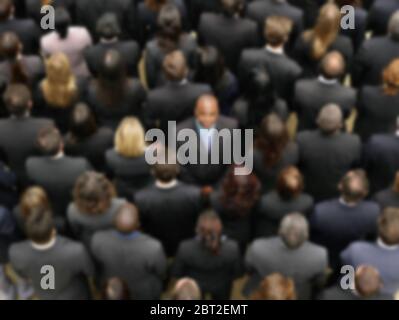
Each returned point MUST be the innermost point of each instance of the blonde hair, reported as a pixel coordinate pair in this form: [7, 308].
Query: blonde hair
[59, 86]
[275, 287]
[325, 31]
[129, 138]
[391, 78]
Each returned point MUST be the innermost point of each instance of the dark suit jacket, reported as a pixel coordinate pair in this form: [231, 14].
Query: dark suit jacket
[129, 50]
[379, 15]
[387, 198]
[18, 141]
[376, 112]
[213, 273]
[229, 35]
[205, 174]
[374, 55]
[283, 71]
[311, 95]
[169, 214]
[196, 7]
[27, 32]
[335, 225]
[57, 177]
[324, 160]
[172, 102]
[381, 160]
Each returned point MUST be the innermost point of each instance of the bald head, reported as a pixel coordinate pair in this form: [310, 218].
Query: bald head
[393, 26]
[367, 281]
[333, 65]
[207, 111]
[175, 66]
[127, 219]
[330, 119]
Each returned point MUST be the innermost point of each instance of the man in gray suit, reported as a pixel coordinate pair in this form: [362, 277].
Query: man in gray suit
[290, 254]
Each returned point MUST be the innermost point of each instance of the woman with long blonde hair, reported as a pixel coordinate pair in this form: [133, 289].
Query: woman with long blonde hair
[324, 37]
[126, 160]
[59, 91]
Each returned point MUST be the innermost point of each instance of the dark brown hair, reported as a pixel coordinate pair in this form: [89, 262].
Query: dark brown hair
[388, 226]
[17, 98]
[155, 5]
[39, 225]
[209, 230]
[290, 182]
[93, 193]
[169, 28]
[49, 140]
[10, 47]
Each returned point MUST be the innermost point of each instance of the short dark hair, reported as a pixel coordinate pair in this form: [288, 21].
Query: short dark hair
[5, 9]
[49, 140]
[17, 99]
[108, 26]
[354, 193]
[82, 123]
[290, 182]
[388, 226]
[39, 225]
[165, 172]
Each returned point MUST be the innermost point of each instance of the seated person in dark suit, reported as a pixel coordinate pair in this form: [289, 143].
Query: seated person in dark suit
[327, 154]
[282, 69]
[235, 202]
[169, 208]
[169, 37]
[381, 159]
[389, 198]
[261, 10]
[18, 67]
[312, 94]
[382, 254]
[54, 171]
[131, 255]
[94, 206]
[379, 15]
[324, 37]
[211, 69]
[86, 139]
[7, 236]
[174, 101]
[273, 151]
[26, 29]
[259, 100]
[375, 54]
[70, 262]
[368, 286]
[377, 105]
[291, 254]
[59, 91]
[109, 31]
[19, 132]
[275, 287]
[228, 32]
[126, 161]
[212, 260]
[206, 119]
[337, 223]
[287, 197]
[112, 95]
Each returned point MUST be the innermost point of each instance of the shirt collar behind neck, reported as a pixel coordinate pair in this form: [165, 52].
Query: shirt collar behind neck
[166, 185]
[46, 246]
[383, 245]
[278, 51]
[324, 80]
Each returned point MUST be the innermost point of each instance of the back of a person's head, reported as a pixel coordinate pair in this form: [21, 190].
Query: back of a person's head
[62, 21]
[354, 186]
[330, 119]
[155, 5]
[186, 289]
[108, 26]
[33, 198]
[129, 138]
[6, 9]
[333, 65]
[232, 7]
[325, 31]
[169, 24]
[127, 219]
[209, 230]
[388, 226]
[294, 230]
[50, 141]
[39, 225]
[260, 82]
[18, 99]
[211, 66]
[166, 172]
[112, 65]
[10, 45]
[93, 193]
[82, 123]
[277, 30]
[391, 78]
[115, 289]
[275, 287]
[290, 183]
[175, 66]
[393, 26]
[368, 282]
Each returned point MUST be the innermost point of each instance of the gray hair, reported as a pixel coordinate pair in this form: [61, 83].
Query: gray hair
[294, 230]
[393, 26]
[330, 118]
